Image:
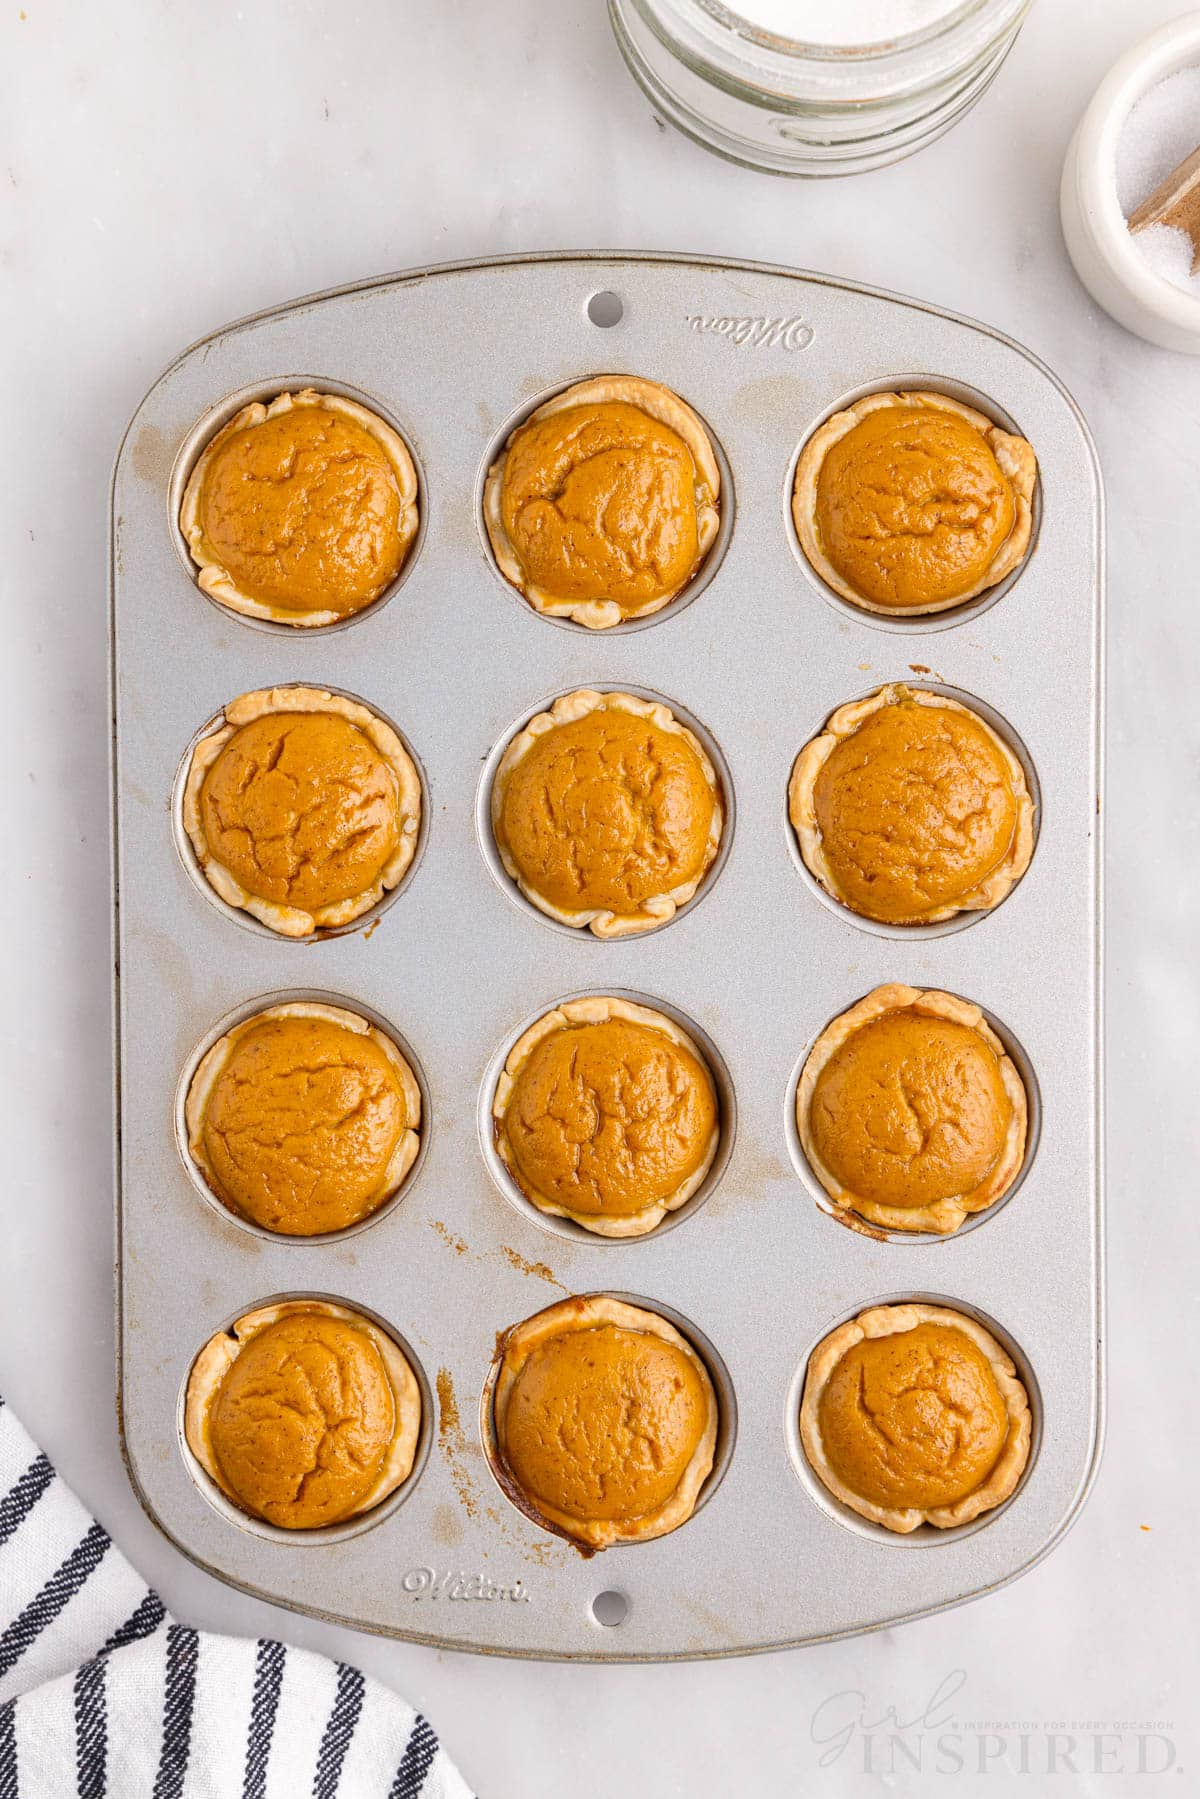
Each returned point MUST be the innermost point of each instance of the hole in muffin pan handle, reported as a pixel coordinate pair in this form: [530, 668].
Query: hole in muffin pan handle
[610, 1608]
[606, 309]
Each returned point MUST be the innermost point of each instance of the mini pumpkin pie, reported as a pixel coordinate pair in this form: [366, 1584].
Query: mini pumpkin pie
[303, 1413]
[604, 503]
[910, 503]
[607, 812]
[304, 1118]
[606, 1113]
[909, 808]
[910, 1111]
[301, 511]
[302, 807]
[604, 1420]
[913, 1414]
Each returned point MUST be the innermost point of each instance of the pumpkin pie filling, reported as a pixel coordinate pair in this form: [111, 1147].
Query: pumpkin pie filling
[910, 503]
[302, 807]
[304, 1414]
[606, 812]
[605, 1421]
[910, 1112]
[606, 1114]
[913, 1414]
[304, 1119]
[604, 502]
[301, 511]
[909, 808]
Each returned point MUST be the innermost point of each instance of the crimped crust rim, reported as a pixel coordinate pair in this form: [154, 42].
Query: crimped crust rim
[211, 1065]
[656, 909]
[1015, 455]
[660, 403]
[598, 1009]
[215, 580]
[295, 921]
[887, 1320]
[588, 1312]
[942, 1216]
[843, 723]
[222, 1349]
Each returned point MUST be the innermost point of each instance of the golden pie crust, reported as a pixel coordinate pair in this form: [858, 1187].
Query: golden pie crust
[604, 1123]
[651, 910]
[296, 920]
[1014, 455]
[941, 1111]
[269, 1423]
[1000, 1480]
[584, 524]
[638, 1447]
[842, 725]
[291, 1186]
[388, 559]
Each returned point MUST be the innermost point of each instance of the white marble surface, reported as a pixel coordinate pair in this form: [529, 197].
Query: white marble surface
[165, 168]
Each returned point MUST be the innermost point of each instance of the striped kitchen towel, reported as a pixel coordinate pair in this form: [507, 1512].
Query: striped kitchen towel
[104, 1696]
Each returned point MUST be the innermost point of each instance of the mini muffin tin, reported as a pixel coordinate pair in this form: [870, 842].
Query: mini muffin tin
[755, 1269]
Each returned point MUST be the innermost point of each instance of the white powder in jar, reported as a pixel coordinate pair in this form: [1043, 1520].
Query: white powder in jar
[1160, 131]
[836, 23]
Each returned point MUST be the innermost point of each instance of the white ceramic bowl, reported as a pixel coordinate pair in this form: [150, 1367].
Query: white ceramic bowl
[1098, 239]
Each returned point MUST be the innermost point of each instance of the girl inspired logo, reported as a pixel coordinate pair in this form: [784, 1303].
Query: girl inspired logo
[755, 333]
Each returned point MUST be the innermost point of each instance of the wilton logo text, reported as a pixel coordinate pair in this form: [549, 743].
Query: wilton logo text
[756, 334]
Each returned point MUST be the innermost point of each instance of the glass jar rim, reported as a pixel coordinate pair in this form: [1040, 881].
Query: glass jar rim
[739, 26]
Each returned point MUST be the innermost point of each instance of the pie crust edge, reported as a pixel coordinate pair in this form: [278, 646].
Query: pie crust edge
[294, 921]
[888, 1320]
[842, 724]
[1015, 455]
[213, 579]
[598, 1009]
[212, 1063]
[668, 409]
[656, 909]
[944, 1215]
[587, 1312]
[222, 1350]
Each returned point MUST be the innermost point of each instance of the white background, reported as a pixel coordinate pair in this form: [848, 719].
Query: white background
[165, 168]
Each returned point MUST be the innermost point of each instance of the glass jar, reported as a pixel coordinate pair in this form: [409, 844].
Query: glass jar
[834, 106]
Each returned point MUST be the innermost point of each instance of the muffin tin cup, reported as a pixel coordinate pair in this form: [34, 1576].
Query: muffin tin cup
[755, 966]
[718, 1373]
[567, 1228]
[242, 1015]
[326, 1534]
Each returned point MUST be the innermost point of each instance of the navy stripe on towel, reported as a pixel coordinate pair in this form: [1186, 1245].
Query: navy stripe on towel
[268, 1680]
[20, 1500]
[91, 1729]
[183, 1653]
[61, 1587]
[336, 1741]
[416, 1761]
[141, 1623]
[8, 1751]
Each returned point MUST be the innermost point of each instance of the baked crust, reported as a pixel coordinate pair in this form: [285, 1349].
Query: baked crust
[1015, 455]
[885, 1321]
[293, 921]
[215, 580]
[659, 403]
[581, 1313]
[221, 1351]
[943, 1215]
[657, 909]
[842, 724]
[213, 1063]
[598, 1010]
